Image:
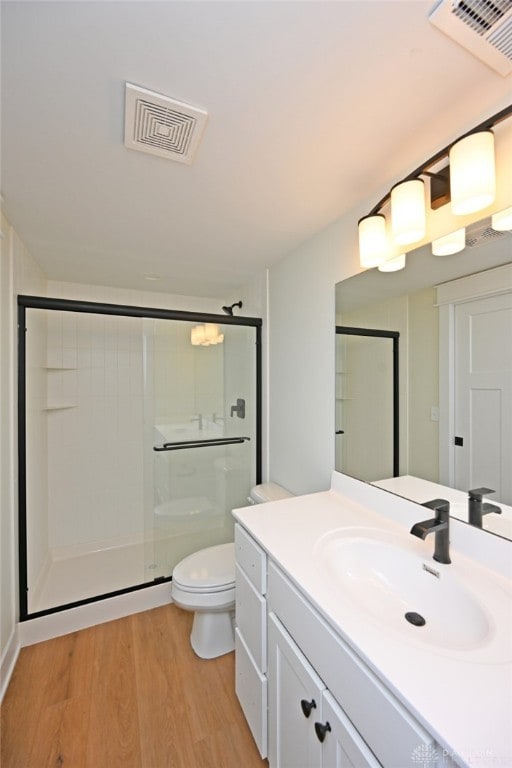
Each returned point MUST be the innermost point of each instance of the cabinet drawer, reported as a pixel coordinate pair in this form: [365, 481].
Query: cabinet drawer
[251, 618]
[251, 689]
[251, 557]
[392, 734]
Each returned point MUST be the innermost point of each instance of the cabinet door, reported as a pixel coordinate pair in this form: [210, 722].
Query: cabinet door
[343, 747]
[294, 689]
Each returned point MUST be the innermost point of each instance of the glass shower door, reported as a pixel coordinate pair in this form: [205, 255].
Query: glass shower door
[139, 433]
[201, 435]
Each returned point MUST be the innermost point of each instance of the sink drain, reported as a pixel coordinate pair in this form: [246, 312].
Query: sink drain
[415, 618]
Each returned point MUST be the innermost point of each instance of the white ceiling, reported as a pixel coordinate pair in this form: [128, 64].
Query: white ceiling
[313, 107]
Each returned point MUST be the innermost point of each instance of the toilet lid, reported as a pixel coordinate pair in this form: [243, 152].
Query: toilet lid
[209, 570]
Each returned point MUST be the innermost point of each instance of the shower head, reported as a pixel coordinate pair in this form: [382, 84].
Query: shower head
[229, 310]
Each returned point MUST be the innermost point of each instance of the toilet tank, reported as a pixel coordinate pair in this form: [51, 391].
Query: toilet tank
[268, 492]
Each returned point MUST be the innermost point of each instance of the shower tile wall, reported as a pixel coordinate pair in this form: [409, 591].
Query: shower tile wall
[95, 428]
[36, 442]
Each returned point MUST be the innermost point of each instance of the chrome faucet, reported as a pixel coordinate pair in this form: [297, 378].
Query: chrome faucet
[440, 525]
[477, 508]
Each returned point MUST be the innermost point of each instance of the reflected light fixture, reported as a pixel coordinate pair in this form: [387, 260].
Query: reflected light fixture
[472, 173]
[465, 176]
[206, 335]
[393, 265]
[502, 221]
[450, 244]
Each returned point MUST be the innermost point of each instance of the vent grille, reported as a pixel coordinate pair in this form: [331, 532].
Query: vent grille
[161, 126]
[483, 27]
[481, 232]
[481, 15]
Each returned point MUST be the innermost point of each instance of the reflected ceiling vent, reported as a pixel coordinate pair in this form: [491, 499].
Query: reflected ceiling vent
[483, 27]
[481, 232]
[162, 126]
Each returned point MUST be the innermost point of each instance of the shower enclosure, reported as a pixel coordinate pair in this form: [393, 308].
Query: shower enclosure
[139, 432]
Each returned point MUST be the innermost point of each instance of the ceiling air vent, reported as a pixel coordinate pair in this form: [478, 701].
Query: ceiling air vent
[162, 126]
[483, 27]
[481, 232]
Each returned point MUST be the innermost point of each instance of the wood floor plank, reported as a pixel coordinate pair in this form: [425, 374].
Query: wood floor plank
[127, 694]
[61, 735]
[31, 690]
[161, 705]
[113, 739]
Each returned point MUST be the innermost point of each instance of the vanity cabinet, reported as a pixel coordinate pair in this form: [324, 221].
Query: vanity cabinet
[382, 731]
[251, 634]
[306, 725]
[308, 698]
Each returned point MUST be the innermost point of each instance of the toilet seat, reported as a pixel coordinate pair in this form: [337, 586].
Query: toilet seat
[210, 570]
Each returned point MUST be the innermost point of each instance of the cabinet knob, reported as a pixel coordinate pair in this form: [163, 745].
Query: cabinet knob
[321, 729]
[307, 706]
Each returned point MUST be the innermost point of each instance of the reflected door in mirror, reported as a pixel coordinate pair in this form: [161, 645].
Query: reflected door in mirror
[483, 395]
[367, 402]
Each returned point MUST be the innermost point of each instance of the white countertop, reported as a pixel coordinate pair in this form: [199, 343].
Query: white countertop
[463, 698]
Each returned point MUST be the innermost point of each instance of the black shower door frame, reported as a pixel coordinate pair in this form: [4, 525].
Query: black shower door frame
[121, 310]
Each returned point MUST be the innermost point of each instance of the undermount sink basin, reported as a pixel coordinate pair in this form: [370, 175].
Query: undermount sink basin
[388, 580]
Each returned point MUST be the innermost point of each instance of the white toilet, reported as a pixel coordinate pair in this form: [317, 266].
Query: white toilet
[204, 582]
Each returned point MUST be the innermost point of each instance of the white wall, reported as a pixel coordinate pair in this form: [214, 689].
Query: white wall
[423, 386]
[18, 274]
[301, 356]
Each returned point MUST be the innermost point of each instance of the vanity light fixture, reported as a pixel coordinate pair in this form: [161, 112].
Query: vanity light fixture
[467, 180]
[373, 240]
[408, 216]
[472, 173]
[502, 221]
[450, 244]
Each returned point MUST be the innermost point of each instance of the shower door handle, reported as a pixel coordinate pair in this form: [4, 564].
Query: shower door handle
[178, 446]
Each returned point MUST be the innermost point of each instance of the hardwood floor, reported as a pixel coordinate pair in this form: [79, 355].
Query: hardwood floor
[127, 694]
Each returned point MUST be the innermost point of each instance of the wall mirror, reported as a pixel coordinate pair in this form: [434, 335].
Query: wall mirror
[439, 437]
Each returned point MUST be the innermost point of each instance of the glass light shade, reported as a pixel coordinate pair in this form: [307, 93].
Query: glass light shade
[393, 265]
[472, 173]
[373, 241]
[502, 221]
[197, 335]
[450, 244]
[211, 332]
[408, 215]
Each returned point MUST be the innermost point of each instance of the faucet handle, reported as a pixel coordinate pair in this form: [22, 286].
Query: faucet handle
[477, 494]
[439, 505]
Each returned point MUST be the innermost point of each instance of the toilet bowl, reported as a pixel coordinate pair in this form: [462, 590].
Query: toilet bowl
[204, 582]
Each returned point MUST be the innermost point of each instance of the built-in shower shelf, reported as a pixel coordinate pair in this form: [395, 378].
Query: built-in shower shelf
[60, 407]
[59, 367]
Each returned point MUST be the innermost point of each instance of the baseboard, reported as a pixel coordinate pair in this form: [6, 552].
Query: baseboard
[71, 620]
[35, 591]
[9, 658]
